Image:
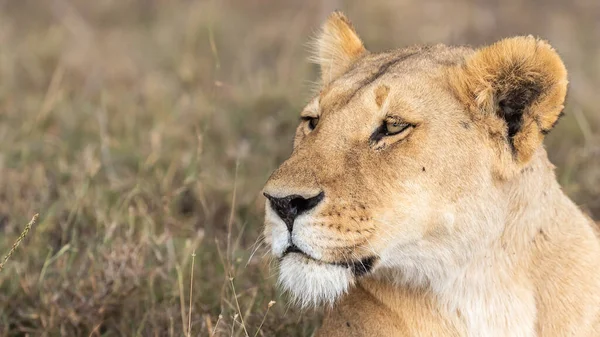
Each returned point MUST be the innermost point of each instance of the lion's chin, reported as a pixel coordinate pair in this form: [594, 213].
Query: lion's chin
[312, 283]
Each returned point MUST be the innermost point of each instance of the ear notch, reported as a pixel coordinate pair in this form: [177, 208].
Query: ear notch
[521, 80]
[337, 47]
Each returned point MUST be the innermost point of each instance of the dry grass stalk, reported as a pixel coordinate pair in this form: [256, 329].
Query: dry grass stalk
[191, 292]
[271, 303]
[19, 239]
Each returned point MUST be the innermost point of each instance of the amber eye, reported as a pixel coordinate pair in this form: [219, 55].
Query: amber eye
[394, 127]
[391, 127]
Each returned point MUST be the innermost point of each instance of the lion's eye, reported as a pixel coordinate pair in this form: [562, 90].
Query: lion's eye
[312, 122]
[391, 127]
[394, 127]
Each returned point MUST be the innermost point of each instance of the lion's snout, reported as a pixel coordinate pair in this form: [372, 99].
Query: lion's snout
[289, 207]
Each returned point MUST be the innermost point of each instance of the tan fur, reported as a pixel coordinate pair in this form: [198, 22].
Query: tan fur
[381, 94]
[469, 231]
[507, 66]
[337, 47]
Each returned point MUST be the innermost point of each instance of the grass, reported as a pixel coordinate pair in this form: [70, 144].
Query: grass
[142, 132]
[19, 239]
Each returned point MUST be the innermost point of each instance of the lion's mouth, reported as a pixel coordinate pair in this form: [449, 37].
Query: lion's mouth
[358, 268]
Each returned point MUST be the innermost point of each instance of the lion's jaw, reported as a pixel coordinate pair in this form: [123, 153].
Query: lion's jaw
[310, 281]
[419, 243]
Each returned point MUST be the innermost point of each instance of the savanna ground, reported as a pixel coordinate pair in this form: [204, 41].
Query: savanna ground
[143, 130]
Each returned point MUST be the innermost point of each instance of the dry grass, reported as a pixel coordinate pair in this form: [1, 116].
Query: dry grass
[143, 130]
[21, 237]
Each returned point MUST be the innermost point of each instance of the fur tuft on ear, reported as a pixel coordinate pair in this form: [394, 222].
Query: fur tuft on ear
[522, 82]
[336, 47]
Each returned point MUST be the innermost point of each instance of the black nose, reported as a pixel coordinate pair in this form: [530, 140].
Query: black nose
[288, 208]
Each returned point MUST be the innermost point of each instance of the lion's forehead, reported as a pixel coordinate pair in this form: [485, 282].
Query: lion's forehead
[416, 64]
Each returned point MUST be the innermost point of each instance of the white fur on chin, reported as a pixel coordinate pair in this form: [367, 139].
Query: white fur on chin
[312, 283]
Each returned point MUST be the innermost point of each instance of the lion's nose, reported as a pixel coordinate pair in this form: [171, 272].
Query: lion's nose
[289, 207]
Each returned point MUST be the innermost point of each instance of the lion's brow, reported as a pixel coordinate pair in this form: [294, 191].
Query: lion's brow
[374, 76]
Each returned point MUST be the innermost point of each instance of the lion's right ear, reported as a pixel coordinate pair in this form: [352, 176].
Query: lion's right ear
[337, 47]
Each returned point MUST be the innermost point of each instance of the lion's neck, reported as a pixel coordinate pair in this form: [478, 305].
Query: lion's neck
[490, 283]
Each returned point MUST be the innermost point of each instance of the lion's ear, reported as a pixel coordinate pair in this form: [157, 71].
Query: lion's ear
[337, 47]
[522, 82]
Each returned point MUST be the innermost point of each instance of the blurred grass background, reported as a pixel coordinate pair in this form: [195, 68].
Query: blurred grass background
[143, 130]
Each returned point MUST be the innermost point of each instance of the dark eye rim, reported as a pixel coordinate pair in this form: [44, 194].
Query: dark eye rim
[382, 131]
[312, 121]
[388, 133]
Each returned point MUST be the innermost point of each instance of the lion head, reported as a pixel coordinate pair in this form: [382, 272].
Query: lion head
[401, 161]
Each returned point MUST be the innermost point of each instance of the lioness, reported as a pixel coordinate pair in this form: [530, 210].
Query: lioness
[419, 199]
